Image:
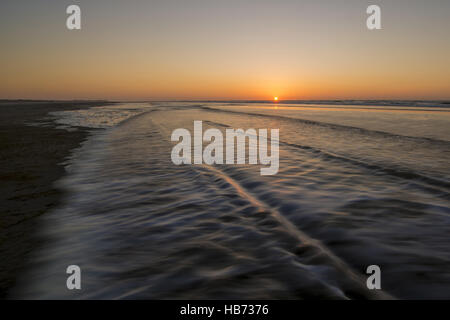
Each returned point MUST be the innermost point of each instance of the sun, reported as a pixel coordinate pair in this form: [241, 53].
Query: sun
[275, 98]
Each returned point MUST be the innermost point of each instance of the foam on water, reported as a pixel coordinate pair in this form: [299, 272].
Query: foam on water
[98, 117]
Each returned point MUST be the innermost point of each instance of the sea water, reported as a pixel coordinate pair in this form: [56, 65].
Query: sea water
[358, 185]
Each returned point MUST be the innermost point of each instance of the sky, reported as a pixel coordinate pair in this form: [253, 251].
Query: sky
[225, 49]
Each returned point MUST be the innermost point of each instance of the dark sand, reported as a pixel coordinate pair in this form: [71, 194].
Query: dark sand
[30, 163]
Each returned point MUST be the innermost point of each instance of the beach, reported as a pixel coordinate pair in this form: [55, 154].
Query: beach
[225, 155]
[32, 151]
[358, 185]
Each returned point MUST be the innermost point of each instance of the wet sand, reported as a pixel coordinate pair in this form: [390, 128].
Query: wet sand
[30, 163]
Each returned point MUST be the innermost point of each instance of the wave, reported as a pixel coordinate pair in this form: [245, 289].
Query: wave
[332, 126]
[403, 173]
[380, 103]
[308, 243]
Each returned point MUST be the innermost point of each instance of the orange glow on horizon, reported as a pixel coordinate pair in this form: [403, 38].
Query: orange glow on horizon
[176, 58]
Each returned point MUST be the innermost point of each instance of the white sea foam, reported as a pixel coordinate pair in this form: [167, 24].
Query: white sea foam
[98, 117]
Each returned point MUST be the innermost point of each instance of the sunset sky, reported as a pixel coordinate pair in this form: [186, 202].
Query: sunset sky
[225, 49]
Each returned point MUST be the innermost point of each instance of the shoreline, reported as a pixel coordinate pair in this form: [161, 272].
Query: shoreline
[31, 160]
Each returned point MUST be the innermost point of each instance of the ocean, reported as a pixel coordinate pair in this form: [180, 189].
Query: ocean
[359, 184]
